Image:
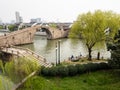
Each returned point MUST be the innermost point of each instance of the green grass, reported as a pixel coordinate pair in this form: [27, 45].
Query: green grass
[100, 80]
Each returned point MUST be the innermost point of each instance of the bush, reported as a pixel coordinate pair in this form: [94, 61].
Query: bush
[80, 68]
[12, 27]
[45, 71]
[72, 70]
[63, 71]
[89, 67]
[1, 27]
[19, 68]
[53, 71]
[104, 65]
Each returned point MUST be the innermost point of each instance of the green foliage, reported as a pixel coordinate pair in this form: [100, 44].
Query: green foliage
[104, 66]
[5, 83]
[19, 68]
[1, 27]
[72, 70]
[80, 68]
[12, 27]
[1, 66]
[91, 26]
[100, 80]
[53, 71]
[115, 51]
[53, 25]
[63, 71]
[44, 71]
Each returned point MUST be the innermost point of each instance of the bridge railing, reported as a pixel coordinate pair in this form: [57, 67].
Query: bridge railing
[29, 51]
[28, 55]
[40, 58]
[4, 49]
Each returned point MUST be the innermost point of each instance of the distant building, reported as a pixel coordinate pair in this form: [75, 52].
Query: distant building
[36, 20]
[18, 17]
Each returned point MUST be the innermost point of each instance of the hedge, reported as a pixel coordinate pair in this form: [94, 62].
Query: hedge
[72, 70]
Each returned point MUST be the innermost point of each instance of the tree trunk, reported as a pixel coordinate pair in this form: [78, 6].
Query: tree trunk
[89, 54]
[98, 56]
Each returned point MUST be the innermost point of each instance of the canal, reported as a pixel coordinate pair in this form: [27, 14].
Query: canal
[68, 47]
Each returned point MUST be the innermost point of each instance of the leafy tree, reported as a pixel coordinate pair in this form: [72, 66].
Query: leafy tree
[113, 22]
[91, 26]
[12, 27]
[53, 25]
[1, 27]
[115, 51]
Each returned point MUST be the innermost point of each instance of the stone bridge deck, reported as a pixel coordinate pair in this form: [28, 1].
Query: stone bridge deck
[27, 53]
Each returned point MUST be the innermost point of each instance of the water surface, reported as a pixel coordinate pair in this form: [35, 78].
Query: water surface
[68, 47]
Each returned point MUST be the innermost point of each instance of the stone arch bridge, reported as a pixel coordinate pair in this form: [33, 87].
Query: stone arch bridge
[26, 36]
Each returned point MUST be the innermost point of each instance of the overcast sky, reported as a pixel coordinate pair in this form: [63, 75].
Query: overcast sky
[53, 10]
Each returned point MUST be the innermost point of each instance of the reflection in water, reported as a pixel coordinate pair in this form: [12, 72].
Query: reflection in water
[68, 47]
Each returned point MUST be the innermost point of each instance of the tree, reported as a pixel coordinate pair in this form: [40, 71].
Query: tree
[113, 22]
[91, 26]
[115, 51]
[1, 27]
[12, 27]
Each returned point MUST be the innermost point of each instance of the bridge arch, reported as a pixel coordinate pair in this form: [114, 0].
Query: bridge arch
[48, 32]
[26, 36]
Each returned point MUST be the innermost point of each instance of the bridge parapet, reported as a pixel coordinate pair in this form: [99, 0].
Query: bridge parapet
[18, 37]
[27, 53]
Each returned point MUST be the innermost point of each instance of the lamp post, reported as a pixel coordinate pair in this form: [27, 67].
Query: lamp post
[56, 49]
[59, 52]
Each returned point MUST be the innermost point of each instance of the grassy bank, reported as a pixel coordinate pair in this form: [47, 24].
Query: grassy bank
[100, 80]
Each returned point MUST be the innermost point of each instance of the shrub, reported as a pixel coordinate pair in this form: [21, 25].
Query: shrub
[63, 71]
[19, 68]
[53, 71]
[104, 65]
[72, 70]
[12, 27]
[45, 71]
[88, 67]
[94, 66]
[80, 68]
